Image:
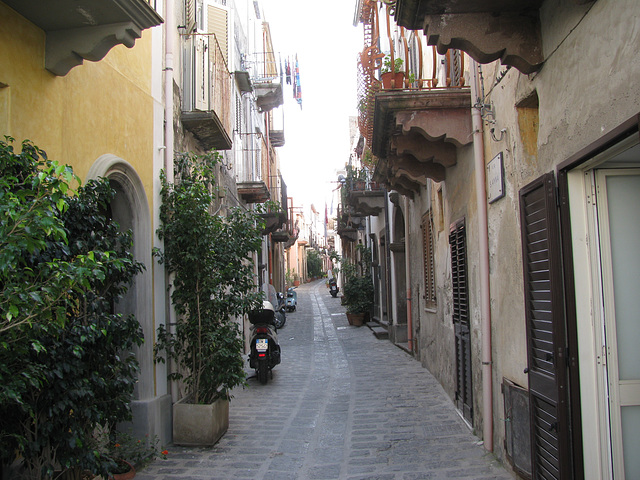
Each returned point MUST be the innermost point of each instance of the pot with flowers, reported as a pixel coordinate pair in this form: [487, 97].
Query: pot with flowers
[392, 76]
[210, 259]
[127, 454]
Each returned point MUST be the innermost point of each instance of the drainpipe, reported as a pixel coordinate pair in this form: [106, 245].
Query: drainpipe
[170, 30]
[169, 38]
[483, 240]
[407, 252]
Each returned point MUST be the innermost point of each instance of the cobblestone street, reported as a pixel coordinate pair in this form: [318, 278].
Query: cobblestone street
[341, 405]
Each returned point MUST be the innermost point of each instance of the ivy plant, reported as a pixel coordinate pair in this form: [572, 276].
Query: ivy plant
[209, 258]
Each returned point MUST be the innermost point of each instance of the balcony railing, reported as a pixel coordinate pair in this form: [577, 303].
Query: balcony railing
[206, 111]
[422, 68]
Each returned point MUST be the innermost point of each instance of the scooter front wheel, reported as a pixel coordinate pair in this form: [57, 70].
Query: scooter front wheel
[262, 372]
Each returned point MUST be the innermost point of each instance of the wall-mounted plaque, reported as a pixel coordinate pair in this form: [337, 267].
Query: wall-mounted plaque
[495, 178]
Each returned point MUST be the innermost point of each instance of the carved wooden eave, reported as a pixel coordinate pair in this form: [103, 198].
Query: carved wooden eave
[78, 30]
[508, 30]
[417, 136]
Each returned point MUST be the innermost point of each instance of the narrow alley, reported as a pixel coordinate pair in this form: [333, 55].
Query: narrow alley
[341, 405]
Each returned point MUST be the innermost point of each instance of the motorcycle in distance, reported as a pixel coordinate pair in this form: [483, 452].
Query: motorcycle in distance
[333, 287]
[265, 351]
[292, 299]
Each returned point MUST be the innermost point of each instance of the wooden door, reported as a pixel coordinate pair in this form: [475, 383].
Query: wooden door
[464, 387]
[546, 337]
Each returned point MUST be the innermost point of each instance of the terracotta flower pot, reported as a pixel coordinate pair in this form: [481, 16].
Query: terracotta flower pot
[356, 319]
[126, 475]
[398, 80]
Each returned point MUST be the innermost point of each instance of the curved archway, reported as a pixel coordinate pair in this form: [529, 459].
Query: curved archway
[130, 210]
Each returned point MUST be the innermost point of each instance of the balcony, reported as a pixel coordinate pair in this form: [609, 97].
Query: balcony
[416, 136]
[363, 197]
[415, 123]
[349, 223]
[279, 221]
[254, 192]
[508, 30]
[267, 87]
[206, 112]
[78, 30]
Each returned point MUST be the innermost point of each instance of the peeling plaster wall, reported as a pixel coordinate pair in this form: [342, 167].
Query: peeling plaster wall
[587, 87]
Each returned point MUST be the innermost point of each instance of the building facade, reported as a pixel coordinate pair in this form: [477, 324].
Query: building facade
[506, 249]
[118, 89]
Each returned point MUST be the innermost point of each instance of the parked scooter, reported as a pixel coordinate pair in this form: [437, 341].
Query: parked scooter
[333, 287]
[265, 351]
[280, 315]
[292, 299]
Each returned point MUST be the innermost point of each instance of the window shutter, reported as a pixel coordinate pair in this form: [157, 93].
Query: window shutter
[429, 263]
[464, 387]
[544, 311]
[217, 24]
[190, 15]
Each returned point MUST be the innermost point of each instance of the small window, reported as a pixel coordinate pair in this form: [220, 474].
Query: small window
[429, 262]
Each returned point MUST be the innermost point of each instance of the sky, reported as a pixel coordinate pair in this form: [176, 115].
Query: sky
[316, 135]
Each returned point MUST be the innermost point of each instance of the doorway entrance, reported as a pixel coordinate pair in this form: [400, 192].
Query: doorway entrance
[605, 200]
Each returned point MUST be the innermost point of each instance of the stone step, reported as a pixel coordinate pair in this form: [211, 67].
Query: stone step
[379, 332]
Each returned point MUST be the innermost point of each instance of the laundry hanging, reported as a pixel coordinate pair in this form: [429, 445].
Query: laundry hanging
[297, 90]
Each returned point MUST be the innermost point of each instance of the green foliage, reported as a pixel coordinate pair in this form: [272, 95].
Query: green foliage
[386, 64]
[213, 282]
[358, 285]
[314, 264]
[139, 452]
[65, 357]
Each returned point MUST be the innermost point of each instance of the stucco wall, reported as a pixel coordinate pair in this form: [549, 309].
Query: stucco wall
[97, 108]
[587, 87]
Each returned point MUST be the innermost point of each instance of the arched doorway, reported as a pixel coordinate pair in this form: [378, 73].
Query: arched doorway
[130, 209]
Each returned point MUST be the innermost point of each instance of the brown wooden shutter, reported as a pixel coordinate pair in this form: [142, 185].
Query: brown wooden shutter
[464, 387]
[428, 257]
[544, 312]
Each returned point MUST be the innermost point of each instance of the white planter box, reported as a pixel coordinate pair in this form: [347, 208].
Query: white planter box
[199, 425]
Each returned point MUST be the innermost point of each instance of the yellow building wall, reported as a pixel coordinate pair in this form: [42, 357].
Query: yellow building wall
[97, 108]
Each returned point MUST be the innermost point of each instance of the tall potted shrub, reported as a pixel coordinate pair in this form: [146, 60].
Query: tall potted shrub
[358, 286]
[209, 258]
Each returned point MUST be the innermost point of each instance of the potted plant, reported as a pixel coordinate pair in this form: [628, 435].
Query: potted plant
[210, 260]
[391, 73]
[358, 286]
[128, 455]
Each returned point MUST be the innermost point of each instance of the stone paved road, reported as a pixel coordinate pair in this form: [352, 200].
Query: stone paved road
[341, 405]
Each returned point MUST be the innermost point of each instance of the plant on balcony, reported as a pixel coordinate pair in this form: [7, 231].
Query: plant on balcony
[390, 72]
[210, 259]
[358, 285]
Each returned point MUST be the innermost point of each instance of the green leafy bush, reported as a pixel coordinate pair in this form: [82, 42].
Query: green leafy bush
[358, 284]
[209, 257]
[66, 361]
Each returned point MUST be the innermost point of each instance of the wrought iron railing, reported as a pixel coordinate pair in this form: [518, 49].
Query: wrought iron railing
[207, 81]
[417, 75]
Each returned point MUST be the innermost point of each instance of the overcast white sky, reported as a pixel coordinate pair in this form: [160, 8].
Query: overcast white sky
[316, 136]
